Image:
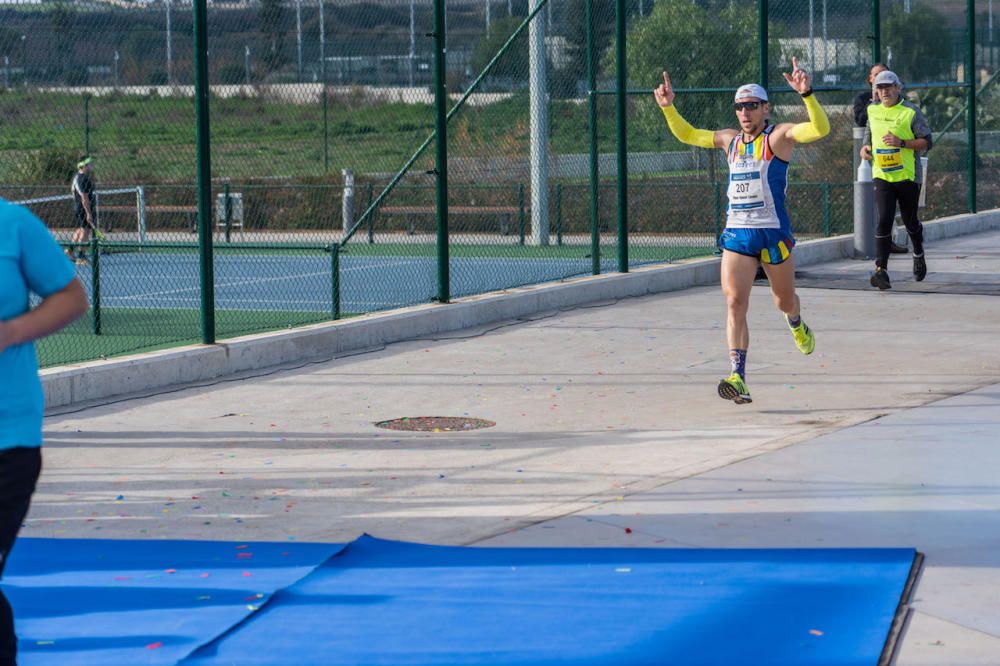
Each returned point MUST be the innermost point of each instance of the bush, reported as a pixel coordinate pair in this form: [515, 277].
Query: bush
[46, 166]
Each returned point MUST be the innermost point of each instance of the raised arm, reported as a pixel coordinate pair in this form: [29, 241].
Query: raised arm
[818, 125]
[682, 129]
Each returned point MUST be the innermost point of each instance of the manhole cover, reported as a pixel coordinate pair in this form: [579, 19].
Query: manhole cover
[436, 423]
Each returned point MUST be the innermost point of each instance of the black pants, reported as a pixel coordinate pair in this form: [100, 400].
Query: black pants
[907, 194]
[19, 470]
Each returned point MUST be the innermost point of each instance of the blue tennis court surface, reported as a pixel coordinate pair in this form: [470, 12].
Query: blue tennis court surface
[298, 283]
[385, 602]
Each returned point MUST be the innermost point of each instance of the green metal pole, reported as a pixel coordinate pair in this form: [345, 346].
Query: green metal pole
[717, 200]
[762, 36]
[441, 152]
[227, 208]
[971, 122]
[95, 282]
[371, 218]
[620, 110]
[86, 124]
[558, 213]
[826, 209]
[876, 32]
[595, 233]
[521, 218]
[326, 130]
[335, 278]
[201, 93]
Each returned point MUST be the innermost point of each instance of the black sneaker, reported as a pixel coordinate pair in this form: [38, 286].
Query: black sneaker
[880, 279]
[919, 267]
[898, 249]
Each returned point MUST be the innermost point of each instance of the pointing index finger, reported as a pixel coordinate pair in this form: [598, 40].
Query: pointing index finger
[666, 78]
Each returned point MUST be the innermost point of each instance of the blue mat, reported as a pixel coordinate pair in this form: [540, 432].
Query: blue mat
[91, 602]
[384, 602]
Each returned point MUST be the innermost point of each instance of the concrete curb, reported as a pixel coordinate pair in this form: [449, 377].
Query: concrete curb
[100, 380]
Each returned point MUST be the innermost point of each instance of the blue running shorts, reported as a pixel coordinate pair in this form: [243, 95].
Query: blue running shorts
[771, 246]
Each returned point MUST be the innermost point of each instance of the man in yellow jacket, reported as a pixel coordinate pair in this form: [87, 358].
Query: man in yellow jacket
[896, 135]
[758, 230]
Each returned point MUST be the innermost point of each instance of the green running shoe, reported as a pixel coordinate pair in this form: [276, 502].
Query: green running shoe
[804, 338]
[734, 388]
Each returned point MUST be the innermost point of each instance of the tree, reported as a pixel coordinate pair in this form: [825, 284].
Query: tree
[603, 18]
[700, 49]
[918, 50]
[513, 64]
[272, 26]
[63, 21]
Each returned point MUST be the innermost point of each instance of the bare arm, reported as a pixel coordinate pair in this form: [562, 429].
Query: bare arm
[53, 313]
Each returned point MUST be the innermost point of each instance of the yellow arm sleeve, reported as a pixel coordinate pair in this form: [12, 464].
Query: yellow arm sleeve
[817, 127]
[684, 132]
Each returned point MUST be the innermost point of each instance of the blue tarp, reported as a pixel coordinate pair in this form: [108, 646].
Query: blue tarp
[385, 602]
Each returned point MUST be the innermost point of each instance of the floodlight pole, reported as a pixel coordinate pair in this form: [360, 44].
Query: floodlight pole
[170, 48]
[762, 36]
[298, 34]
[539, 114]
[621, 110]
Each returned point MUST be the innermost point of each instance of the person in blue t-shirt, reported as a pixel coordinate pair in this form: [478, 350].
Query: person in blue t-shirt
[30, 262]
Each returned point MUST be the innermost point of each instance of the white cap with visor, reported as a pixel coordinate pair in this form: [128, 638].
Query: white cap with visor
[750, 90]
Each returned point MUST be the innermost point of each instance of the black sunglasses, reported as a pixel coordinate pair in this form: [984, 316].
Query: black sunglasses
[885, 86]
[749, 106]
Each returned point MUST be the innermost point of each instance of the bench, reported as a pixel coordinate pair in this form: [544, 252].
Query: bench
[505, 213]
[190, 211]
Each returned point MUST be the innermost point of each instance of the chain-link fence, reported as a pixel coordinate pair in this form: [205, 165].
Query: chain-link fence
[327, 191]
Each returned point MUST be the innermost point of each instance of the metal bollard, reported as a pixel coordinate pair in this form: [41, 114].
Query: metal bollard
[864, 212]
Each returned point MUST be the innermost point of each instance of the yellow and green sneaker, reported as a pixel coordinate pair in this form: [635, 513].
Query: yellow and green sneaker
[804, 338]
[734, 388]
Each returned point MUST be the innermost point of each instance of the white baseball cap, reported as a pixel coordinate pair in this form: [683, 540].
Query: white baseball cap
[886, 77]
[752, 90]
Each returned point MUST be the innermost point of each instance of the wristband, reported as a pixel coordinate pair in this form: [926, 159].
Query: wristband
[807, 93]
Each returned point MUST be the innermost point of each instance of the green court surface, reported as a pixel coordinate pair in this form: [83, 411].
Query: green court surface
[130, 331]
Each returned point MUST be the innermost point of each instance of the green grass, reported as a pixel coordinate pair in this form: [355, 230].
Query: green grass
[152, 139]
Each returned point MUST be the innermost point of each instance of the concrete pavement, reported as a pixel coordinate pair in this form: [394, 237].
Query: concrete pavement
[607, 418]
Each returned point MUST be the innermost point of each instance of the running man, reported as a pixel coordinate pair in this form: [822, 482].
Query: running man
[758, 230]
[896, 135]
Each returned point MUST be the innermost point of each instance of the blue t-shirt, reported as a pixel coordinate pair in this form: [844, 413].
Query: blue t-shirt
[30, 261]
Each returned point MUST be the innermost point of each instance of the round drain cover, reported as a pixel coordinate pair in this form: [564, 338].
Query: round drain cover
[436, 423]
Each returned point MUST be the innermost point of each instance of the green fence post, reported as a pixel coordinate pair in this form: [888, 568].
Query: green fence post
[335, 278]
[595, 233]
[558, 213]
[227, 208]
[441, 154]
[876, 32]
[717, 187]
[971, 122]
[520, 213]
[86, 124]
[204, 156]
[621, 109]
[95, 282]
[826, 209]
